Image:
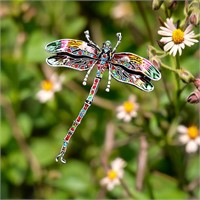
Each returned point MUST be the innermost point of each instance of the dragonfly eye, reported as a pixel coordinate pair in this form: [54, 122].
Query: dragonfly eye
[107, 45]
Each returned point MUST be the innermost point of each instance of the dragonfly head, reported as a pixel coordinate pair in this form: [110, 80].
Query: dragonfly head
[107, 46]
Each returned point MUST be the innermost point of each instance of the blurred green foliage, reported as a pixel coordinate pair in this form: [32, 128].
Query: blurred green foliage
[32, 132]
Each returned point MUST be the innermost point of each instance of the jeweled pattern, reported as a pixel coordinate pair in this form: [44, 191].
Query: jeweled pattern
[124, 67]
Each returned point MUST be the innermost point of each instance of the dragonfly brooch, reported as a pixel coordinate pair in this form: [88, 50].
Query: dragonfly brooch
[83, 56]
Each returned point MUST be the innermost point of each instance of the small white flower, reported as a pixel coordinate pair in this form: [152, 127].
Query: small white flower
[114, 174]
[122, 10]
[189, 136]
[49, 87]
[176, 39]
[128, 110]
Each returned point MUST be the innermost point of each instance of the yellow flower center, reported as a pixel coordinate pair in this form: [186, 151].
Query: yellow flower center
[178, 36]
[129, 106]
[112, 174]
[193, 132]
[47, 85]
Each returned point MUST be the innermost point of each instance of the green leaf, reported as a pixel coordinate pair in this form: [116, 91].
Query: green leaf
[6, 135]
[15, 167]
[35, 51]
[75, 177]
[25, 123]
[75, 26]
[165, 187]
[45, 150]
[192, 170]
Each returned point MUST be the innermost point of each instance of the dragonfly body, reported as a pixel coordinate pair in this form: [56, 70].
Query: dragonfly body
[124, 67]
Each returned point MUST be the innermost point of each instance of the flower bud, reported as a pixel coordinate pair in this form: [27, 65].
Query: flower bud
[155, 61]
[194, 97]
[156, 4]
[197, 83]
[194, 17]
[185, 76]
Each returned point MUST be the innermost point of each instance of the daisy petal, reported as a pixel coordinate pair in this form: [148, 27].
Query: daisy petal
[168, 46]
[166, 29]
[120, 108]
[182, 129]
[191, 40]
[133, 114]
[118, 163]
[182, 45]
[188, 29]
[104, 181]
[184, 138]
[179, 50]
[170, 24]
[191, 146]
[164, 33]
[197, 140]
[121, 115]
[188, 43]
[173, 50]
[191, 34]
[127, 118]
[166, 39]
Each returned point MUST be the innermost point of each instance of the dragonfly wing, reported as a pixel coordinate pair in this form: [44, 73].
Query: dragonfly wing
[72, 47]
[63, 60]
[134, 63]
[138, 79]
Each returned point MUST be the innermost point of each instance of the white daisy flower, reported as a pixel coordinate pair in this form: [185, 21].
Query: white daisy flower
[190, 136]
[49, 87]
[175, 39]
[114, 174]
[128, 110]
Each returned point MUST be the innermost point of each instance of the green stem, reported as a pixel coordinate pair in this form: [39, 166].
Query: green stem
[197, 35]
[125, 187]
[144, 17]
[156, 51]
[178, 67]
[177, 100]
[166, 12]
[167, 91]
[168, 67]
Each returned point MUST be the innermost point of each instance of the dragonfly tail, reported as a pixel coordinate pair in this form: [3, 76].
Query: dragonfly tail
[75, 124]
[62, 153]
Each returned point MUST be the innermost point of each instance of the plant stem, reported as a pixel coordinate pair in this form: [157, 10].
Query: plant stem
[197, 35]
[157, 51]
[167, 91]
[142, 162]
[19, 137]
[178, 86]
[144, 17]
[129, 193]
[177, 77]
[167, 67]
